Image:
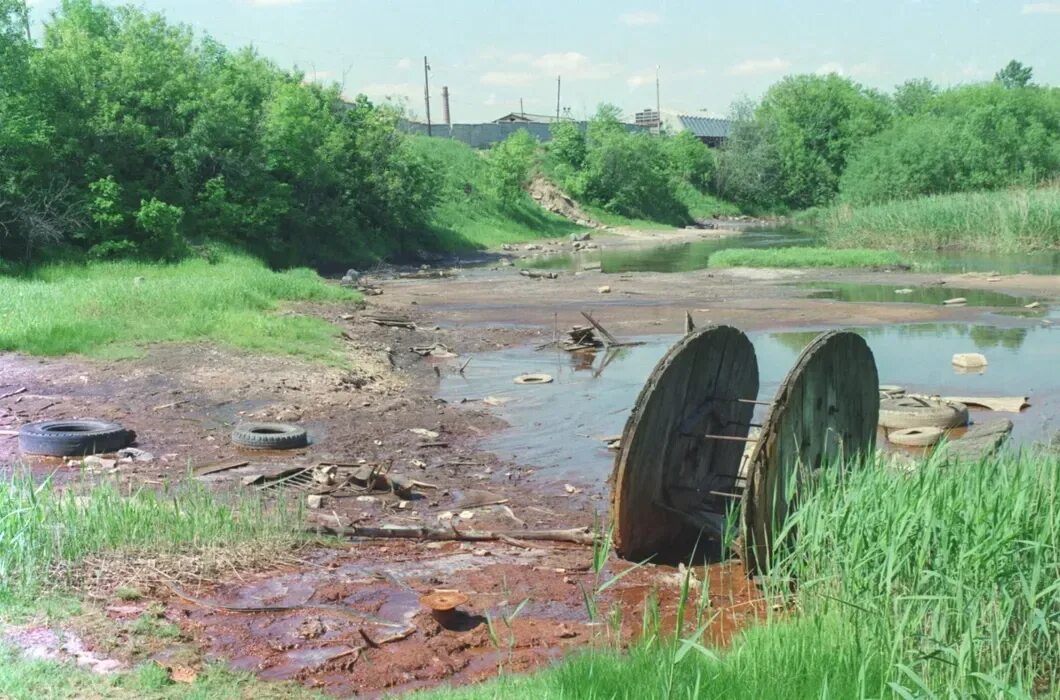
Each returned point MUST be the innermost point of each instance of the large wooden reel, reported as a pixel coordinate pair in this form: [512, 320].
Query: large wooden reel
[670, 480]
[824, 414]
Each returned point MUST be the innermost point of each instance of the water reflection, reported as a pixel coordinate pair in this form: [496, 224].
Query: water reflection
[558, 427]
[846, 291]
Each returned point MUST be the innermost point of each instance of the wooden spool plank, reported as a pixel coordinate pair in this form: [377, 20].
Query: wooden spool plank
[825, 413]
[667, 473]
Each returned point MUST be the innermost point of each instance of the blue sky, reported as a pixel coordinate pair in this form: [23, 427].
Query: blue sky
[491, 54]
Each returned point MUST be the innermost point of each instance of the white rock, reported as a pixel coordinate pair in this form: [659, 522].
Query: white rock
[314, 501]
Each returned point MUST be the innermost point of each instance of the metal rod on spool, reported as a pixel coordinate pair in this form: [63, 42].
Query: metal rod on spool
[730, 437]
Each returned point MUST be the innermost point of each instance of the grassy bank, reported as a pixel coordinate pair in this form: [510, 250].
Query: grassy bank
[54, 544]
[1004, 221]
[106, 309]
[944, 582]
[470, 215]
[803, 257]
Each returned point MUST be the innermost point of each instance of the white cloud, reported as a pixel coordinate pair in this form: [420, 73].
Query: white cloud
[491, 101]
[640, 79]
[759, 66]
[506, 78]
[1042, 8]
[574, 65]
[404, 63]
[639, 18]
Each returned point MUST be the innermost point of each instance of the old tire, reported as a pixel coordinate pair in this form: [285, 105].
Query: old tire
[915, 437]
[913, 412]
[73, 438]
[269, 436]
[533, 379]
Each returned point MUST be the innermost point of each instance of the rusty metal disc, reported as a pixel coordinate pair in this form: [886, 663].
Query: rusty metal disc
[824, 413]
[669, 479]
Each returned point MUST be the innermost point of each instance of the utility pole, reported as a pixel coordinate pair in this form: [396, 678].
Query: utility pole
[558, 78]
[427, 92]
[521, 110]
[658, 103]
[25, 20]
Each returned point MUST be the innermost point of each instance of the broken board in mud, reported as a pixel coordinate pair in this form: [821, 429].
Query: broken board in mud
[671, 482]
[824, 413]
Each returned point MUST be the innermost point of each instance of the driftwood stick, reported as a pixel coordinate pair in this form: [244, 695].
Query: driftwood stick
[16, 392]
[578, 535]
[611, 340]
[690, 325]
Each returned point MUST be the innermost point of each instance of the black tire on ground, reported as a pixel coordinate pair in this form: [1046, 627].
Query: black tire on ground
[73, 438]
[269, 436]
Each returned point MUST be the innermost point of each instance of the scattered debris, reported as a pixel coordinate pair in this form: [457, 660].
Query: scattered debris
[571, 489]
[578, 535]
[533, 379]
[423, 432]
[1032, 305]
[443, 604]
[496, 400]
[314, 501]
[135, 455]
[969, 360]
[480, 499]
[919, 412]
[981, 440]
[904, 290]
[436, 350]
[605, 289]
[16, 392]
[539, 274]
[1008, 404]
[393, 321]
[172, 404]
[220, 467]
[955, 301]
[915, 437]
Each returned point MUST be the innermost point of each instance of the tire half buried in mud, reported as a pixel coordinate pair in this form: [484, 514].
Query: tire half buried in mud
[824, 414]
[73, 438]
[667, 474]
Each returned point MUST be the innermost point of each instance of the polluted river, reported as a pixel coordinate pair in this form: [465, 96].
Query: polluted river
[432, 397]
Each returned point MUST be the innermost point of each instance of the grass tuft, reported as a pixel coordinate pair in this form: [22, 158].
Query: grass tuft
[1004, 221]
[803, 257]
[104, 310]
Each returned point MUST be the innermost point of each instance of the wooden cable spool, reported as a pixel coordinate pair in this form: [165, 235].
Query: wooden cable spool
[678, 473]
[824, 413]
[679, 462]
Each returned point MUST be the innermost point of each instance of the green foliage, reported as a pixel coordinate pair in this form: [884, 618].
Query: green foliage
[470, 214]
[749, 170]
[125, 135]
[568, 144]
[1014, 75]
[937, 583]
[510, 162]
[914, 96]
[639, 178]
[103, 309]
[803, 257]
[971, 138]
[1006, 220]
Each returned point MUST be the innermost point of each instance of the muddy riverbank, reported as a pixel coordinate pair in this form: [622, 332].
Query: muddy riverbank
[419, 416]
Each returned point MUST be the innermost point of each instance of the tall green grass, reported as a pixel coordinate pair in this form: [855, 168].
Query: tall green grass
[43, 527]
[803, 257]
[470, 215]
[939, 583]
[103, 309]
[1005, 221]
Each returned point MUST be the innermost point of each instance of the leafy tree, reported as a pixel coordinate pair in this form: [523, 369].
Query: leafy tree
[510, 162]
[1014, 75]
[914, 96]
[816, 122]
[690, 160]
[567, 144]
[749, 169]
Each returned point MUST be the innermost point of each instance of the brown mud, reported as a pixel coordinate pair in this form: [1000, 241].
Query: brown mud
[182, 401]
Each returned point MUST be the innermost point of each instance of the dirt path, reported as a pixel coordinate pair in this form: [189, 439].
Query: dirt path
[183, 400]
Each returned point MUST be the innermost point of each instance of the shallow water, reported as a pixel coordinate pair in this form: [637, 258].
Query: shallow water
[685, 257]
[848, 291]
[557, 428]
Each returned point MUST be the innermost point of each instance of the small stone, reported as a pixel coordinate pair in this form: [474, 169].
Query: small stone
[314, 501]
[366, 499]
[447, 515]
[571, 489]
[969, 360]
[481, 553]
[466, 515]
[402, 505]
[606, 289]
[135, 454]
[96, 462]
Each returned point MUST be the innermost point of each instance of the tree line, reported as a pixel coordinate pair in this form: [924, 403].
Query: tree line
[122, 135]
[814, 140]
